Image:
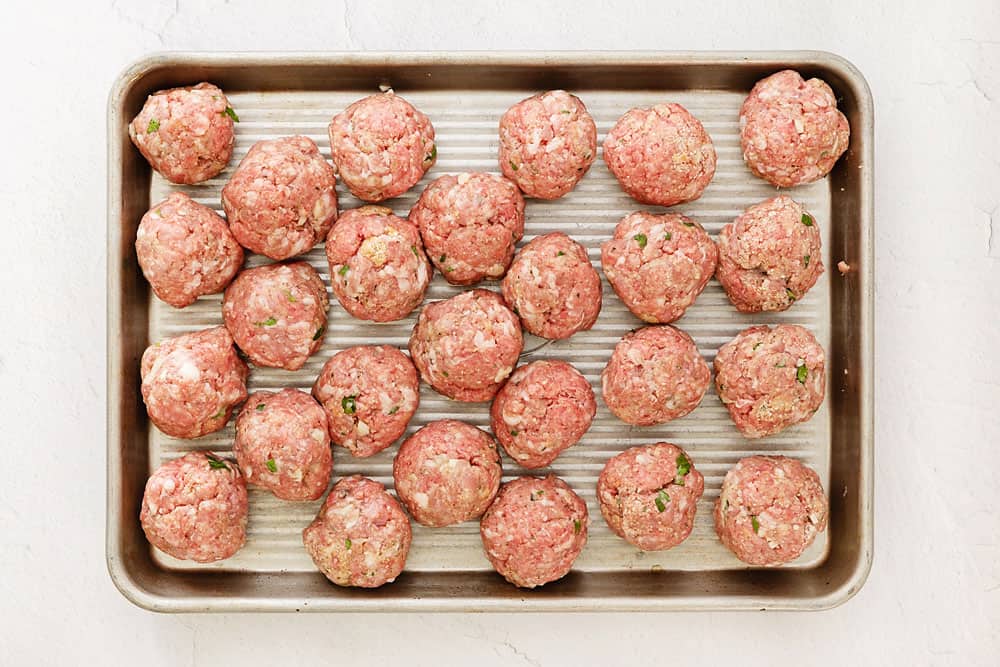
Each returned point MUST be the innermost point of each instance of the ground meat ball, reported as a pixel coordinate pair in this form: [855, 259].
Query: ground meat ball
[447, 472]
[544, 408]
[655, 375]
[658, 264]
[195, 508]
[369, 393]
[277, 313]
[282, 444]
[553, 287]
[378, 269]
[534, 530]
[649, 494]
[770, 256]
[661, 155]
[191, 383]
[186, 134]
[381, 146]
[186, 250]
[466, 346]
[770, 510]
[547, 143]
[791, 131]
[769, 379]
[281, 200]
[361, 536]
[470, 224]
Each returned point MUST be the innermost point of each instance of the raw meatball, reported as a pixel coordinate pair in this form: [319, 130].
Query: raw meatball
[466, 346]
[543, 409]
[791, 131]
[655, 375]
[769, 379]
[277, 313]
[186, 134]
[281, 200]
[192, 382]
[661, 155]
[447, 472]
[769, 256]
[378, 269]
[658, 264]
[470, 224]
[381, 146]
[186, 250]
[369, 394]
[770, 510]
[282, 444]
[547, 143]
[552, 287]
[649, 494]
[361, 536]
[195, 508]
[534, 530]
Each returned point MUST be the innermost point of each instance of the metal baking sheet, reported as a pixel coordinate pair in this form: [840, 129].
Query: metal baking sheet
[464, 95]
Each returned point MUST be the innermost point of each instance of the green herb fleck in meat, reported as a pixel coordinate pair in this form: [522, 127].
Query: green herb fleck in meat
[442, 258]
[319, 333]
[432, 155]
[216, 463]
[232, 114]
[514, 433]
[687, 224]
[291, 297]
[640, 239]
[269, 322]
[347, 543]
[566, 111]
[260, 406]
[661, 501]
[513, 166]
[755, 524]
[220, 413]
[577, 526]
[272, 466]
[807, 220]
[560, 253]
[805, 261]
[683, 468]
[394, 410]
[343, 270]
[349, 404]
[414, 249]
[757, 344]
[153, 126]
[800, 374]
[790, 293]
[668, 236]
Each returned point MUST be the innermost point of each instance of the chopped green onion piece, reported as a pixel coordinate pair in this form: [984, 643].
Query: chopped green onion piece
[560, 253]
[668, 236]
[661, 501]
[319, 333]
[801, 373]
[790, 293]
[577, 526]
[687, 224]
[414, 249]
[343, 270]
[232, 114]
[807, 220]
[640, 239]
[683, 468]
[755, 523]
[394, 410]
[153, 126]
[260, 406]
[349, 404]
[514, 433]
[269, 322]
[513, 166]
[757, 344]
[432, 155]
[442, 258]
[565, 111]
[288, 294]
[805, 261]
[272, 466]
[216, 463]
[218, 414]
[347, 543]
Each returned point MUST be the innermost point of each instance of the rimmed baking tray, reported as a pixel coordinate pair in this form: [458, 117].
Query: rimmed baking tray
[464, 94]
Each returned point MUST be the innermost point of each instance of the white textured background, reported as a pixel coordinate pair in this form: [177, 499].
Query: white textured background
[934, 593]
